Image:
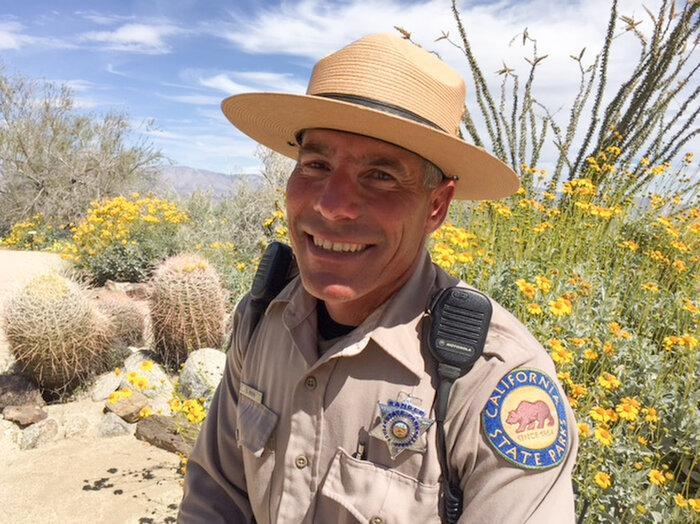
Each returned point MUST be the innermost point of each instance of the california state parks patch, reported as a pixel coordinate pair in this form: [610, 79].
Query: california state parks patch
[524, 420]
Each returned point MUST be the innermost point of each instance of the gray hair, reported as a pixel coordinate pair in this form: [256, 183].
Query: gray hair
[432, 175]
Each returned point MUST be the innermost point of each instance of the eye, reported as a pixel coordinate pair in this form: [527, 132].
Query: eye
[382, 175]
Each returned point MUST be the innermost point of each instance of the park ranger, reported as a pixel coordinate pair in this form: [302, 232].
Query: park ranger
[327, 409]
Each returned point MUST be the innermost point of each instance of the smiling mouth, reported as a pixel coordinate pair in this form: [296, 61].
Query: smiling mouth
[338, 247]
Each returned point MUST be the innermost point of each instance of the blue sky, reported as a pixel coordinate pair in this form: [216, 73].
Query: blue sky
[173, 61]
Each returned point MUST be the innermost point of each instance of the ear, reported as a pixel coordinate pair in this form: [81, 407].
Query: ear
[440, 198]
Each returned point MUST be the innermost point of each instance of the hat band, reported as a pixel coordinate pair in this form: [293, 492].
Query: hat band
[381, 106]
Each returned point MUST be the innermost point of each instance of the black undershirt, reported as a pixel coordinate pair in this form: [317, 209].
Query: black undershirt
[327, 327]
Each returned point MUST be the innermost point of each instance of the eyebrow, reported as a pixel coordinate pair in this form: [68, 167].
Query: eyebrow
[366, 159]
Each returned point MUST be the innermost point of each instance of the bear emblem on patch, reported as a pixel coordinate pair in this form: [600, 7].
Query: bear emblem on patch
[524, 420]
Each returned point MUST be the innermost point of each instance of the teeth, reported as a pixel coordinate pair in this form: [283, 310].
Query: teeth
[341, 247]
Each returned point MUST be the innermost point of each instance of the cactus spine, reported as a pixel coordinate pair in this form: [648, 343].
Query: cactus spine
[54, 333]
[188, 308]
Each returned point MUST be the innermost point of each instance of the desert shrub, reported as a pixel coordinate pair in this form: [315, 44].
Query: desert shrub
[187, 308]
[122, 239]
[232, 232]
[610, 288]
[55, 335]
[33, 233]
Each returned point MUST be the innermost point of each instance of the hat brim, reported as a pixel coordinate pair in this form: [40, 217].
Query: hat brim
[275, 119]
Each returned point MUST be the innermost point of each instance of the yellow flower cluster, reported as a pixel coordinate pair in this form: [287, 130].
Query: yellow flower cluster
[120, 220]
[121, 393]
[191, 408]
[579, 186]
[137, 380]
[32, 233]
[680, 341]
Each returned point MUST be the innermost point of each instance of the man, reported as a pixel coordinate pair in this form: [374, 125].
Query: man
[326, 409]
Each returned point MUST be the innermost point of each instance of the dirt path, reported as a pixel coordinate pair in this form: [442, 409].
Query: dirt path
[82, 479]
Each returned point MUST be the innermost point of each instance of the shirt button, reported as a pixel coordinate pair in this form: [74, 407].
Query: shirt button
[301, 462]
[376, 520]
[310, 383]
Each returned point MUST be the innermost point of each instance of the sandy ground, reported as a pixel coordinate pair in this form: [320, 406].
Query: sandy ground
[85, 478]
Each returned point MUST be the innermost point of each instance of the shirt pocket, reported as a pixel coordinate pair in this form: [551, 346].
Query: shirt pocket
[256, 423]
[367, 491]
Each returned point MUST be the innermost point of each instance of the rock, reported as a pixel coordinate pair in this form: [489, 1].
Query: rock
[128, 408]
[137, 291]
[112, 425]
[39, 434]
[104, 385]
[17, 390]
[76, 426]
[202, 372]
[10, 431]
[143, 364]
[24, 415]
[165, 433]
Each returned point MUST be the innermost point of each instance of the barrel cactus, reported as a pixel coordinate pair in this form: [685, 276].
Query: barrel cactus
[127, 316]
[188, 308]
[54, 333]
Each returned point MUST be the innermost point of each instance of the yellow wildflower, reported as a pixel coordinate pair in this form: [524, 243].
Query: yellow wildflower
[145, 412]
[609, 381]
[526, 288]
[534, 309]
[584, 430]
[680, 501]
[544, 284]
[560, 306]
[603, 436]
[656, 477]
[603, 480]
[651, 415]
[146, 365]
[589, 354]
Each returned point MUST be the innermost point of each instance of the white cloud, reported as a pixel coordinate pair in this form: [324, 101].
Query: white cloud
[103, 19]
[224, 83]
[139, 38]
[254, 81]
[193, 99]
[11, 36]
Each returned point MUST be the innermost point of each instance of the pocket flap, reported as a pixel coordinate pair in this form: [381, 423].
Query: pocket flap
[255, 424]
[367, 491]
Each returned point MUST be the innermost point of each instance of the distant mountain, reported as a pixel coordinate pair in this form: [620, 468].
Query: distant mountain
[184, 180]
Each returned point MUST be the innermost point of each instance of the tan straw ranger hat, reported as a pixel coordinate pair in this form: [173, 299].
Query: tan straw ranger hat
[381, 86]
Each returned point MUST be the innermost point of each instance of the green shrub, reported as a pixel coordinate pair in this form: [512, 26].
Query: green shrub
[33, 233]
[123, 239]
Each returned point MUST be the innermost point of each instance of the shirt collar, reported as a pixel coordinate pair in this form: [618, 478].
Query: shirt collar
[394, 326]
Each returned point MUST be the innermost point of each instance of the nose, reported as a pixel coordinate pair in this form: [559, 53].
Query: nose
[338, 198]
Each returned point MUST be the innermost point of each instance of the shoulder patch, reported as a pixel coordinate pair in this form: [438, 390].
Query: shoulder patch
[524, 420]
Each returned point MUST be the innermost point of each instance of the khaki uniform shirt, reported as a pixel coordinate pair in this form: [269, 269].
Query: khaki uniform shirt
[284, 424]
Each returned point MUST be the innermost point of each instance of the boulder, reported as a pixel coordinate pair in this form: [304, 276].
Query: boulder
[24, 415]
[104, 385]
[112, 425]
[202, 373]
[166, 433]
[144, 364]
[17, 390]
[137, 291]
[128, 408]
[39, 434]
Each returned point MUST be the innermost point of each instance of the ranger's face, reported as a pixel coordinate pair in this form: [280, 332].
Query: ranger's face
[358, 215]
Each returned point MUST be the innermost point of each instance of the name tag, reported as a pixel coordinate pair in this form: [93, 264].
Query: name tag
[251, 393]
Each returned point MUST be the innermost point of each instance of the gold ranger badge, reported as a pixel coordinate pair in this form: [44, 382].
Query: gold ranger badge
[401, 426]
